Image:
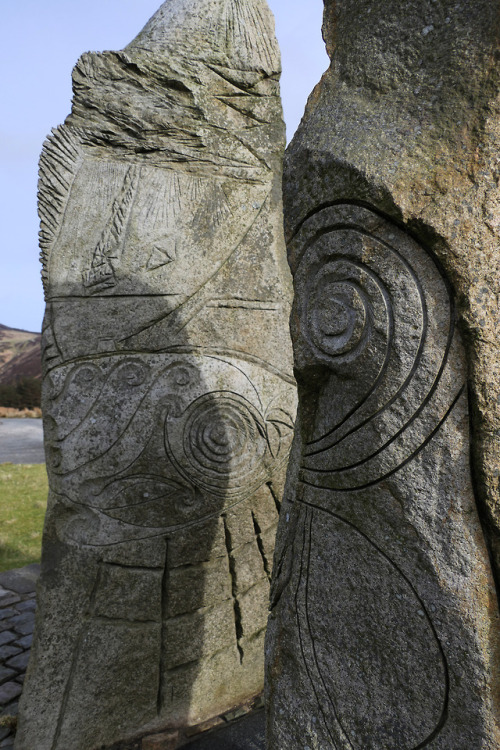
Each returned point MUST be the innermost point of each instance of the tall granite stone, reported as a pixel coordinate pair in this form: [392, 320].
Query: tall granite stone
[384, 632]
[168, 391]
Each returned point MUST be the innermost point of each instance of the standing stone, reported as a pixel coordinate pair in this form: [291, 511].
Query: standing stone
[384, 632]
[168, 390]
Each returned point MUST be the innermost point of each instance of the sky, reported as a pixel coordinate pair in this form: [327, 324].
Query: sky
[41, 42]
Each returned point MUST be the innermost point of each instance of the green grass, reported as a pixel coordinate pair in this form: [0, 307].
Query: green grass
[23, 500]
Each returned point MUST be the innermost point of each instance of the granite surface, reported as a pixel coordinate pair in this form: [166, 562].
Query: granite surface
[168, 392]
[238, 730]
[384, 630]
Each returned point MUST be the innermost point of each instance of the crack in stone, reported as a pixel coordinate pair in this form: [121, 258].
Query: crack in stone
[234, 588]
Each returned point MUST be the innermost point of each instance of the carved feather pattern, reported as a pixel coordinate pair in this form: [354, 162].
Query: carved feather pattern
[247, 35]
[59, 163]
[101, 270]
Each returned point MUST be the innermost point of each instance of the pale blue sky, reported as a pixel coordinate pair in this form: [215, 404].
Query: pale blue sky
[41, 42]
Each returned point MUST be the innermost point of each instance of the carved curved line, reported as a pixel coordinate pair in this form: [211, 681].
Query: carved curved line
[120, 436]
[369, 208]
[139, 477]
[303, 576]
[154, 379]
[134, 476]
[190, 350]
[225, 476]
[406, 425]
[418, 354]
[363, 296]
[192, 304]
[155, 531]
[233, 353]
[383, 370]
[91, 405]
[393, 471]
[444, 712]
[146, 501]
[219, 359]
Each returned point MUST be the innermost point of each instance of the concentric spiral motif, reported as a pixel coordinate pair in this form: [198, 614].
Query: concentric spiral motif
[373, 307]
[219, 443]
[344, 299]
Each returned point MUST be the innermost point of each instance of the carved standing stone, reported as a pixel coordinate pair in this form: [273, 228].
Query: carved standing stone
[384, 629]
[168, 391]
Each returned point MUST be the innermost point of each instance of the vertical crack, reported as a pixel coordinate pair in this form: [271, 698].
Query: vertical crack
[160, 700]
[260, 544]
[275, 497]
[234, 582]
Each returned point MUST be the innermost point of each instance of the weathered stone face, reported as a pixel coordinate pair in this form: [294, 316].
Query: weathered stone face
[168, 392]
[384, 628]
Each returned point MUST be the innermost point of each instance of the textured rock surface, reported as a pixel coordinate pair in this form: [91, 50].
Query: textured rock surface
[384, 630]
[168, 395]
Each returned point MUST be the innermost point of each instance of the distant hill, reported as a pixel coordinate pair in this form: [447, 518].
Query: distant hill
[20, 355]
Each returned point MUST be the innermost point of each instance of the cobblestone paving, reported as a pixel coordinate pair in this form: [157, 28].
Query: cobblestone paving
[17, 617]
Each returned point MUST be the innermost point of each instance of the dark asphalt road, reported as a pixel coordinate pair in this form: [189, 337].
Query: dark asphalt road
[21, 441]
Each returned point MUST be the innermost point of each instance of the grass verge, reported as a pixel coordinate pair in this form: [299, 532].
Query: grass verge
[23, 500]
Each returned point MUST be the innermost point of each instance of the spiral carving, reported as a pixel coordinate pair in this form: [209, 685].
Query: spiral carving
[220, 444]
[344, 300]
[373, 307]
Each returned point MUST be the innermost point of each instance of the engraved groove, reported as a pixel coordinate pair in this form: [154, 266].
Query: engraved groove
[363, 231]
[306, 542]
[160, 699]
[275, 496]
[219, 444]
[397, 468]
[182, 315]
[54, 187]
[446, 696]
[101, 272]
[74, 659]
[208, 350]
[401, 355]
[238, 627]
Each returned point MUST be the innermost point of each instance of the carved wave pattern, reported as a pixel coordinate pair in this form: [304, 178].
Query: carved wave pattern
[164, 440]
[375, 310]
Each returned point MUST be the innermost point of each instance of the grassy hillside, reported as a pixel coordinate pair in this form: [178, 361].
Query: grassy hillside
[20, 355]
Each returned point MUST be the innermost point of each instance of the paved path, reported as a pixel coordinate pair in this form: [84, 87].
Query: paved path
[17, 615]
[21, 441]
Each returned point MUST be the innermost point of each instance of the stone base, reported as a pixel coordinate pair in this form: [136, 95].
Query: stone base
[172, 739]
